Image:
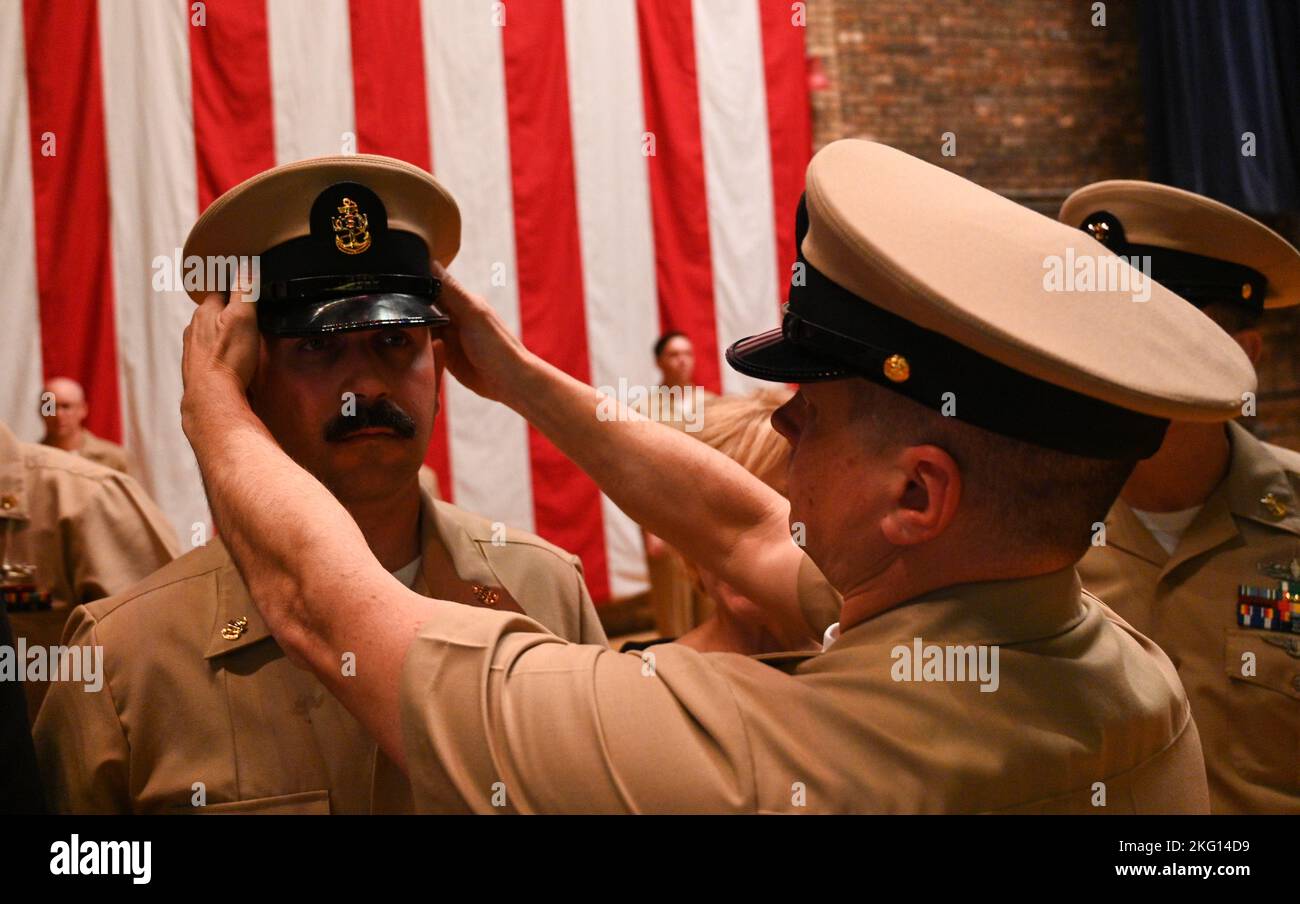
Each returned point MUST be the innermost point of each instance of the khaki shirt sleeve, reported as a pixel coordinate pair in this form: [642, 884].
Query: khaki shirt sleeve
[499, 716]
[116, 538]
[590, 630]
[80, 745]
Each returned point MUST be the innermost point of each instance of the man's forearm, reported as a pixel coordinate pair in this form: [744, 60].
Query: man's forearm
[691, 495]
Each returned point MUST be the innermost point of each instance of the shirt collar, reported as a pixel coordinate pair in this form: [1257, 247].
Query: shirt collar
[238, 623]
[1007, 612]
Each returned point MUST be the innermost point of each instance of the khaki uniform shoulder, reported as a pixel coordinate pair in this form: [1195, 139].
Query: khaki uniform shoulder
[484, 530]
[48, 458]
[141, 597]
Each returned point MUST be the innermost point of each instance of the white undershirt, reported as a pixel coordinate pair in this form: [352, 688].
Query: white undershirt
[406, 574]
[1168, 527]
[832, 634]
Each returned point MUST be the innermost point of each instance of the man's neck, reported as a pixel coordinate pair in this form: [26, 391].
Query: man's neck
[391, 525]
[1190, 463]
[68, 442]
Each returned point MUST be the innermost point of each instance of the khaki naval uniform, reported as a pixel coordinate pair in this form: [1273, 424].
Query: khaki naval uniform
[90, 531]
[102, 452]
[192, 695]
[1187, 603]
[1081, 699]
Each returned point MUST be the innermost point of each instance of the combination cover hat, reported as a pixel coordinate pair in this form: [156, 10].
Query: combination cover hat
[925, 283]
[1200, 248]
[343, 243]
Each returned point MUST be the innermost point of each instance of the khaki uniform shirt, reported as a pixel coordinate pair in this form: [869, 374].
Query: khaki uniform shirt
[103, 452]
[191, 697]
[90, 531]
[499, 718]
[1187, 603]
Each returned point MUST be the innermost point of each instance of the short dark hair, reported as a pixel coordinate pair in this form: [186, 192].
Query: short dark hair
[667, 337]
[1036, 498]
[1232, 316]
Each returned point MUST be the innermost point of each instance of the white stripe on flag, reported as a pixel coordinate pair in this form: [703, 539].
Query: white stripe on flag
[737, 171]
[471, 156]
[311, 78]
[20, 339]
[154, 199]
[604, 63]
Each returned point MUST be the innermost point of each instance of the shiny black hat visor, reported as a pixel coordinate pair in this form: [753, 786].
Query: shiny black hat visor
[336, 304]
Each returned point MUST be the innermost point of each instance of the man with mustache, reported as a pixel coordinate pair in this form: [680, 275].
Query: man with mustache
[201, 711]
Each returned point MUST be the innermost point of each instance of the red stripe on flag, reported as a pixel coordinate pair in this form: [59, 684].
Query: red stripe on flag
[549, 259]
[230, 71]
[678, 199]
[392, 116]
[789, 124]
[71, 210]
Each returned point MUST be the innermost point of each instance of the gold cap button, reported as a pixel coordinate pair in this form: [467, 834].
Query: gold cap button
[8, 501]
[897, 369]
[1100, 230]
[1246, 290]
[235, 628]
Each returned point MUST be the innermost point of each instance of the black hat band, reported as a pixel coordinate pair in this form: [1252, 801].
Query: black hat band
[926, 366]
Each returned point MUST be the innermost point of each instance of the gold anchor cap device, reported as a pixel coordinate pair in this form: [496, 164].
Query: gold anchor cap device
[340, 244]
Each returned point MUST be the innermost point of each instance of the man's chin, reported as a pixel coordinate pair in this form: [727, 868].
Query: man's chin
[369, 451]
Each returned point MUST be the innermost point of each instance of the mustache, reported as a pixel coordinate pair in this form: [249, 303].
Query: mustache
[379, 413]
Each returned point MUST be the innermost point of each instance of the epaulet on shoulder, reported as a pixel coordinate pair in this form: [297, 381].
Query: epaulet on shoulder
[194, 564]
[482, 530]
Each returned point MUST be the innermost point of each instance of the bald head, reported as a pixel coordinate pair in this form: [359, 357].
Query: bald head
[63, 407]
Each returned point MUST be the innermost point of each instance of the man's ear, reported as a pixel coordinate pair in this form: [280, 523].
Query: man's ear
[1251, 341]
[926, 503]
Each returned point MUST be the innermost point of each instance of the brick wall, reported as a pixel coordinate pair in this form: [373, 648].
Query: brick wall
[1040, 102]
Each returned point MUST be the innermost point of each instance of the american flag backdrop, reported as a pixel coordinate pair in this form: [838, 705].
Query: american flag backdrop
[623, 167]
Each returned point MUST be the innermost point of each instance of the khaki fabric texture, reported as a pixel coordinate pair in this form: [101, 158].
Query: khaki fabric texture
[1187, 603]
[1082, 699]
[182, 703]
[91, 531]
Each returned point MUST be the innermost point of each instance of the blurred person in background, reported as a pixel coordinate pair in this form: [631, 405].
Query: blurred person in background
[1202, 549]
[84, 530]
[64, 410]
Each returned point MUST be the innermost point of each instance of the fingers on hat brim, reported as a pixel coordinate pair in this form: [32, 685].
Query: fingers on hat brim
[357, 312]
[770, 356]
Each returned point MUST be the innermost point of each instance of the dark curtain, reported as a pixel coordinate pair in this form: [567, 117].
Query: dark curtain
[1212, 70]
